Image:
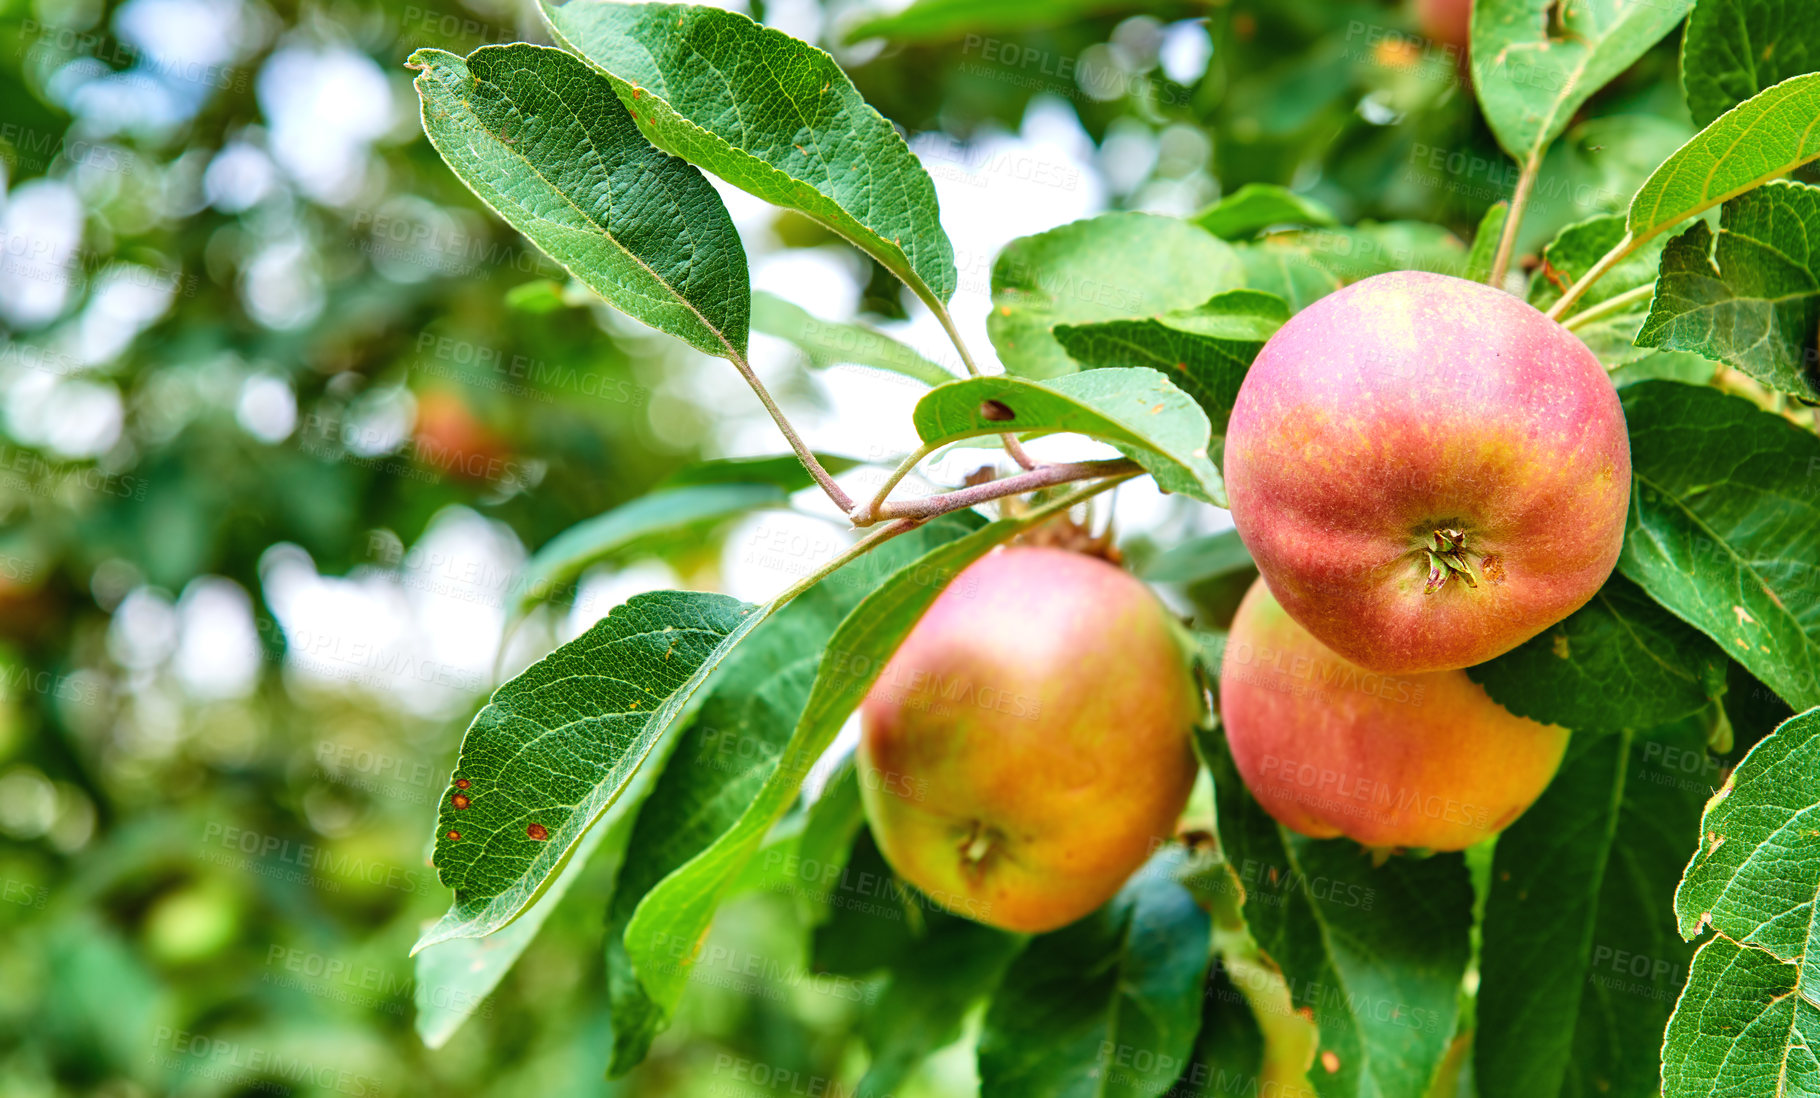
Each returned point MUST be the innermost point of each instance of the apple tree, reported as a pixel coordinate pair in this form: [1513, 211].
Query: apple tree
[1550, 825]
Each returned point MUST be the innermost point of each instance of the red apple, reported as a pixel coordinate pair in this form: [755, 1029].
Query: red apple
[1423, 761]
[1428, 471]
[1446, 22]
[1028, 746]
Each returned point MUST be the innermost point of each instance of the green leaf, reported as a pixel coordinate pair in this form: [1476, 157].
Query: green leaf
[1535, 62]
[829, 343]
[1202, 558]
[556, 746]
[454, 977]
[1288, 272]
[682, 906]
[950, 967]
[1206, 350]
[1108, 1005]
[1301, 267]
[1620, 661]
[1768, 135]
[1580, 964]
[1375, 952]
[728, 752]
[771, 115]
[1753, 300]
[1138, 411]
[1733, 49]
[1724, 527]
[1258, 206]
[1748, 1022]
[1485, 242]
[541, 139]
[564, 556]
[941, 20]
[1109, 267]
[1574, 252]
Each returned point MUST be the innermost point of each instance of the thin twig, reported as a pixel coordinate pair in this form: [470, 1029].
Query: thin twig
[1507, 241]
[1016, 450]
[870, 515]
[1044, 476]
[1609, 306]
[803, 453]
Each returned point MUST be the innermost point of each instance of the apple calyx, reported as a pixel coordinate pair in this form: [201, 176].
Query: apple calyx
[1448, 560]
[975, 847]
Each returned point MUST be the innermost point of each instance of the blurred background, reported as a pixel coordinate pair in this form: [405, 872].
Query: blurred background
[283, 412]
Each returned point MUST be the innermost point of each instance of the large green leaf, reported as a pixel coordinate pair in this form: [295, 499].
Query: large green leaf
[1136, 410]
[542, 140]
[682, 905]
[1580, 964]
[1104, 268]
[1258, 206]
[1206, 350]
[1375, 953]
[1748, 1023]
[1620, 661]
[937, 967]
[1724, 527]
[1301, 267]
[730, 749]
[1611, 335]
[1752, 301]
[1768, 135]
[1536, 62]
[828, 343]
[770, 115]
[1108, 1005]
[556, 746]
[1202, 558]
[454, 977]
[1733, 49]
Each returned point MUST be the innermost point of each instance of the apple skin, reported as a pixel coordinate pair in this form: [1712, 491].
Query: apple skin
[1446, 22]
[1405, 407]
[1423, 761]
[1045, 706]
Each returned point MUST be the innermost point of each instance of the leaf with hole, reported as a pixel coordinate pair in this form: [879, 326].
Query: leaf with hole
[1138, 411]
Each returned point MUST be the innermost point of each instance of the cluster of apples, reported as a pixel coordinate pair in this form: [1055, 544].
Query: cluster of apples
[1427, 471]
